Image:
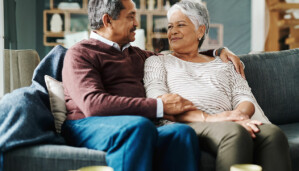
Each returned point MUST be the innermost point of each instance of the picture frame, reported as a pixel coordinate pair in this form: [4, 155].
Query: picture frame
[214, 39]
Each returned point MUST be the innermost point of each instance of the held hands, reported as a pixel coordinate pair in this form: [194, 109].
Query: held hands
[174, 104]
[199, 116]
[238, 117]
[227, 55]
[234, 115]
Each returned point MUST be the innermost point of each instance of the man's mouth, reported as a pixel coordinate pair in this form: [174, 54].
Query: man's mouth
[133, 30]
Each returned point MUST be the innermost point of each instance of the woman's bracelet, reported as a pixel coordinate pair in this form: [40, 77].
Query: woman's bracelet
[203, 116]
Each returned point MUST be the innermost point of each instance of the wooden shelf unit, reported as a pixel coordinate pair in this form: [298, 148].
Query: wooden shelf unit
[283, 33]
[149, 15]
[142, 13]
[66, 15]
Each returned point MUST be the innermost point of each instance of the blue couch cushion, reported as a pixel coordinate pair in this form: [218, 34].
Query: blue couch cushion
[292, 133]
[274, 80]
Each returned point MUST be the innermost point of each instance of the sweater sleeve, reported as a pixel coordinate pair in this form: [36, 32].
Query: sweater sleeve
[240, 89]
[208, 52]
[83, 83]
[155, 77]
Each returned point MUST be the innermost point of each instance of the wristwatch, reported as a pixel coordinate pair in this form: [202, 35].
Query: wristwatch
[219, 51]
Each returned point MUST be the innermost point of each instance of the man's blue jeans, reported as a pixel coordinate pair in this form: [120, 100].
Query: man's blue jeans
[133, 143]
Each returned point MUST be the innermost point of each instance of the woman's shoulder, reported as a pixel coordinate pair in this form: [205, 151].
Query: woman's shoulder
[156, 58]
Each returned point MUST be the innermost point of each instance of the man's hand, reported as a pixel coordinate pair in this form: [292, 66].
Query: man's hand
[174, 104]
[187, 117]
[227, 55]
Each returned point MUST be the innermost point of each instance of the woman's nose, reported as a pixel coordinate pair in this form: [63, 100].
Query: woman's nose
[173, 31]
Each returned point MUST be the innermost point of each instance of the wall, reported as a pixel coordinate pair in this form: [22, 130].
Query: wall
[42, 50]
[258, 25]
[235, 15]
[24, 25]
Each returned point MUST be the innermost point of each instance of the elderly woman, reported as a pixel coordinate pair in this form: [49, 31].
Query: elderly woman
[223, 98]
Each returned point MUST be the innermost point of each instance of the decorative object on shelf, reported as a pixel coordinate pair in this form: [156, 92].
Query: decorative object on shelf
[151, 4]
[160, 24]
[291, 13]
[292, 1]
[78, 22]
[56, 23]
[60, 41]
[167, 5]
[72, 38]
[68, 5]
[139, 39]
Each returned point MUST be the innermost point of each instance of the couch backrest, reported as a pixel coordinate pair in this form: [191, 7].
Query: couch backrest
[274, 80]
[18, 68]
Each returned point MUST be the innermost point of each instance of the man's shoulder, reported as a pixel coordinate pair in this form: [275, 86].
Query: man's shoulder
[88, 47]
[146, 53]
[85, 44]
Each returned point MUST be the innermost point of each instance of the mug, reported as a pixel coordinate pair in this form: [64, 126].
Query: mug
[95, 168]
[245, 167]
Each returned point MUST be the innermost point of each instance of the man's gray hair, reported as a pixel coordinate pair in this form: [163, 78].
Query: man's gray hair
[97, 8]
[195, 11]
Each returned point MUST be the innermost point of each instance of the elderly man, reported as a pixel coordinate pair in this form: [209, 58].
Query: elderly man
[105, 98]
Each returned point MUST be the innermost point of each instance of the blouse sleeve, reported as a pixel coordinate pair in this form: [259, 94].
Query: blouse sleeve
[239, 87]
[155, 77]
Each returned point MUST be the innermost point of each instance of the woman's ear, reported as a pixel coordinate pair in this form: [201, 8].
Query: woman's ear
[201, 31]
[106, 20]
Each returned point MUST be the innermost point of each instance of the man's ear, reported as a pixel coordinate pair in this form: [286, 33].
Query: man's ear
[106, 20]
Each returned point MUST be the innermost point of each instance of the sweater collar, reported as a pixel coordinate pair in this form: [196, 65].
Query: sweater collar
[108, 42]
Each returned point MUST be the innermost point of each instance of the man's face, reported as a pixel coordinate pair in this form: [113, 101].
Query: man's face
[124, 27]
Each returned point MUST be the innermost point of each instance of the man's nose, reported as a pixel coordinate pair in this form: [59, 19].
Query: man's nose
[135, 22]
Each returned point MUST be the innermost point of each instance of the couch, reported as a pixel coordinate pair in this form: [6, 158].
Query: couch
[273, 77]
[18, 68]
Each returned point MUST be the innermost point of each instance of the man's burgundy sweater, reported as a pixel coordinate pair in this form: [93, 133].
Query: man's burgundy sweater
[99, 80]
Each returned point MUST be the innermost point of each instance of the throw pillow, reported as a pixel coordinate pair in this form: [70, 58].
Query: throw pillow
[57, 103]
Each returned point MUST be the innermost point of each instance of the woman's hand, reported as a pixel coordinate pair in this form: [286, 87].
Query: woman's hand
[250, 126]
[190, 116]
[227, 55]
[234, 115]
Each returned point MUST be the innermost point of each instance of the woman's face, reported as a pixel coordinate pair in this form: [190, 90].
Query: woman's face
[181, 33]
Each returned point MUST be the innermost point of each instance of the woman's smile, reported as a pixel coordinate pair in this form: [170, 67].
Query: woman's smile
[173, 39]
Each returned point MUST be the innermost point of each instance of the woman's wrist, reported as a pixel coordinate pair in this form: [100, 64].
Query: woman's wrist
[203, 117]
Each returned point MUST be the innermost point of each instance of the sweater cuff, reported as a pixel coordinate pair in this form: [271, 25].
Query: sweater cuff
[159, 108]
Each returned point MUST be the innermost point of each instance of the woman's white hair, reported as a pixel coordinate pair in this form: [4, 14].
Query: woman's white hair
[195, 11]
